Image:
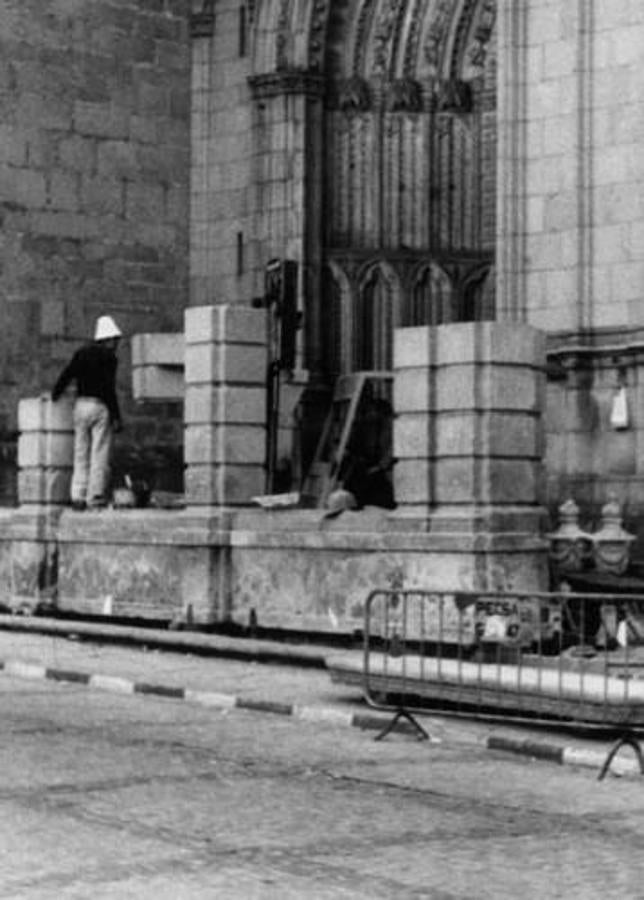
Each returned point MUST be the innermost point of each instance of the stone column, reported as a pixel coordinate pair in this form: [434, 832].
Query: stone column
[225, 405]
[45, 451]
[45, 454]
[468, 433]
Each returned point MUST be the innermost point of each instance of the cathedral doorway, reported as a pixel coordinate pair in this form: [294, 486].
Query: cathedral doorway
[409, 173]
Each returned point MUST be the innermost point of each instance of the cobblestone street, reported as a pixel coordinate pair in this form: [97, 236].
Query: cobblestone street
[111, 796]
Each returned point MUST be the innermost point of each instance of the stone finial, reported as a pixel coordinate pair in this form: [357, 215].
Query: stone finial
[611, 543]
[570, 545]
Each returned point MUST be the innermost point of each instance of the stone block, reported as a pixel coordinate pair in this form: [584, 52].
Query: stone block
[162, 349]
[414, 347]
[225, 324]
[42, 414]
[41, 485]
[204, 584]
[45, 448]
[144, 202]
[496, 481]
[412, 390]
[33, 571]
[617, 454]
[496, 342]
[207, 404]
[225, 363]
[413, 436]
[231, 485]
[580, 454]
[494, 434]
[221, 444]
[470, 386]
[157, 383]
[412, 482]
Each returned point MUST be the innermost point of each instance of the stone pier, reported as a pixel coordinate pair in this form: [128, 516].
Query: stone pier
[468, 441]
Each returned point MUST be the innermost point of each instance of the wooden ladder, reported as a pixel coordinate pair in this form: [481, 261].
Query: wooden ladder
[322, 477]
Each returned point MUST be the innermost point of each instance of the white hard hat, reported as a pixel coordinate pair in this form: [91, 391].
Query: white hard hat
[106, 328]
[339, 500]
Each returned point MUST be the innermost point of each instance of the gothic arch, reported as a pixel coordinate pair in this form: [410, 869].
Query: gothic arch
[337, 323]
[477, 295]
[376, 312]
[427, 40]
[430, 299]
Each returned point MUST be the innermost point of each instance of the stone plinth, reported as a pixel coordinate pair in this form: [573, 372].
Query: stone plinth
[157, 366]
[468, 433]
[297, 569]
[45, 451]
[225, 405]
[29, 534]
[144, 564]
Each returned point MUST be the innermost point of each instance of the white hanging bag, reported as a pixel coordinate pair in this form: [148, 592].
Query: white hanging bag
[619, 410]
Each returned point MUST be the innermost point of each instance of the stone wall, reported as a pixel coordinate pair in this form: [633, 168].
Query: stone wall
[588, 457]
[572, 223]
[224, 258]
[94, 171]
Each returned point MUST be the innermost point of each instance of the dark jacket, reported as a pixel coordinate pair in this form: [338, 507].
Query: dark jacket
[93, 368]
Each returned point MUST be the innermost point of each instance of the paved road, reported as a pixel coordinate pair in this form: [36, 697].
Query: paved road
[111, 796]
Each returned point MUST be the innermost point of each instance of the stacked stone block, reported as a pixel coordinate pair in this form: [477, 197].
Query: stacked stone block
[157, 366]
[571, 103]
[468, 432]
[225, 405]
[45, 451]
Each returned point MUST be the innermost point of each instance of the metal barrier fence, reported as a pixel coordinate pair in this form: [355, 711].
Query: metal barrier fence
[565, 658]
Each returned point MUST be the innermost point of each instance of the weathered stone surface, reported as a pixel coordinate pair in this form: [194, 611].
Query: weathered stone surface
[412, 390]
[159, 349]
[225, 324]
[413, 482]
[207, 404]
[225, 444]
[46, 448]
[496, 434]
[414, 347]
[243, 364]
[44, 485]
[157, 383]
[223, 485]
[471, 386]
[467, 480]
[41, 414]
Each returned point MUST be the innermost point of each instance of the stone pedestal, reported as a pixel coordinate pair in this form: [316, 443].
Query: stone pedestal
[45, 455]
[45, 451]
[468, 439]
[225, 405]
[145, 564]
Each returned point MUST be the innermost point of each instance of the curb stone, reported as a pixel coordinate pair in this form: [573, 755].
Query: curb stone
[556, 753]
[194, 642]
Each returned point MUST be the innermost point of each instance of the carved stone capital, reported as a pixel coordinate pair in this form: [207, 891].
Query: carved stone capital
[275, 84]
[453, 95]
[354, 95]
[405, 95]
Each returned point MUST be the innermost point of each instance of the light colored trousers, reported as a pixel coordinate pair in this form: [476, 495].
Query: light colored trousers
[92, 449]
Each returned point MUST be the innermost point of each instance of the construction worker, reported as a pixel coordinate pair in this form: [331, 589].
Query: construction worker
[96, 413]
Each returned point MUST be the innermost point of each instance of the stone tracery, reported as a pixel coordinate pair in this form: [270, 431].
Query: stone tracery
[404, 137]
